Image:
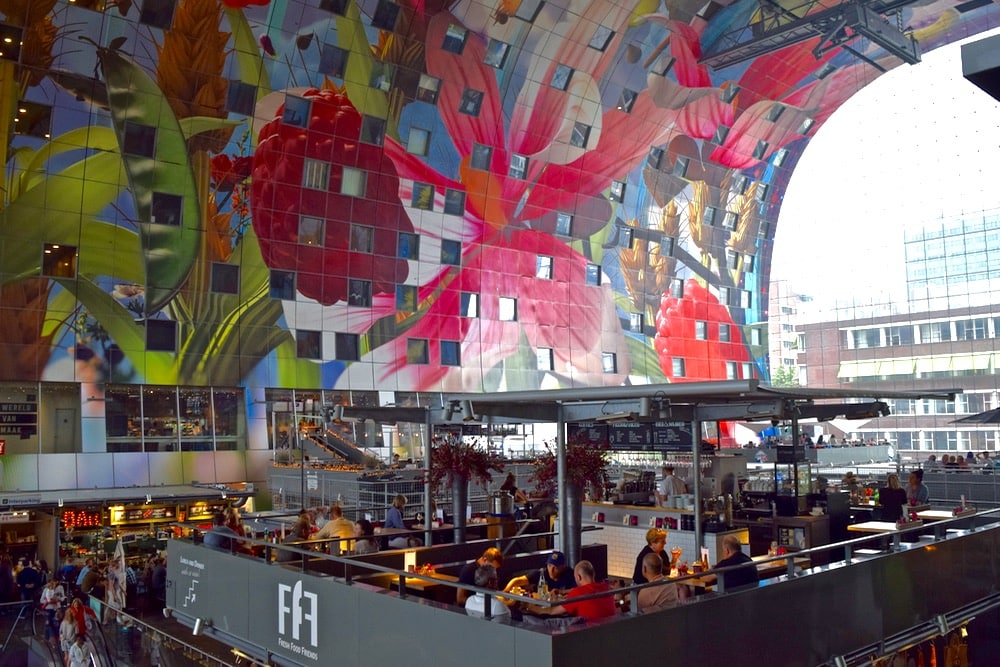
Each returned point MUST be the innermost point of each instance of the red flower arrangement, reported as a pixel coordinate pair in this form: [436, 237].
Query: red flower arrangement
[586, 466]
[452, 456]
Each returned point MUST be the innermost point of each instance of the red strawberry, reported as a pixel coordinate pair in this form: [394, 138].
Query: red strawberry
[279, 201]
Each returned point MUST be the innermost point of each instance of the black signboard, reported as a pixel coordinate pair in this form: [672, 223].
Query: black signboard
[631, 436]
[588, 432]
[790, 454]
[672, 436]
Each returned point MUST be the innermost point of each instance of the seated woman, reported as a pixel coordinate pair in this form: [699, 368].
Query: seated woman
[365, 531]
[656, 542]
[891, 498]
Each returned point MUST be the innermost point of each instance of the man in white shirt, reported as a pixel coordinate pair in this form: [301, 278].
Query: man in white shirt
[475, 605]
[337, 526]
[668, 487]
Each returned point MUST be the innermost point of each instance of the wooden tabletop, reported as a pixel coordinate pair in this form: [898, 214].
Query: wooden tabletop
[878, 526]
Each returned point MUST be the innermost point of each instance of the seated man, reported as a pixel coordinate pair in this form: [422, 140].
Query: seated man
[744, 576]
[220, 536]
[475, 605]
[655, 598]
[467, 575]
[337, 526]
[558, 575]
[590, 610]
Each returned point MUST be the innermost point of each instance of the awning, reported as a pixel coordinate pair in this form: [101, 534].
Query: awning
[933, 364]
[856, 369]
[972, 362]
[896, 367]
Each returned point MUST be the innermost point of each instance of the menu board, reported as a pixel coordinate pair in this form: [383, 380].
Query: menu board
[631, 436]
[588, 432]
[123, 516]
[672, 436]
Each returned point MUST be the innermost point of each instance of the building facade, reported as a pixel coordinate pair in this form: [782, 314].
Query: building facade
[222, 216]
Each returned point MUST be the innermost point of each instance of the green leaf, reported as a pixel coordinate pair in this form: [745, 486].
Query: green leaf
[169, 250]
[249, 63]
[93, 138]
[192, 126]
[645, 361]
[352, 37]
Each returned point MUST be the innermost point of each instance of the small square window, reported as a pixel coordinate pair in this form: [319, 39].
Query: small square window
[353, 182]
[774, 113]
[58, 261]
[677, 367]
[747, 370]
[602, 37]
[362, 238]
[681, 166]
[666, 247]
[372, 130]
[33, 119]
[418, 141]
[626, 236]
[741, 184]
[745, 298]
[311, 230]
[481, 157]
[406, 298]
[335, 6]
[451, 252]
[635, 322]
[677, 288]
[296, 111]
[564, 224]
[518, 167]
[663, 65]
[561, 77]
[708, 216]
[732, 371]
[656, 157]
[806, 125]
[729, 93]
[755, 337]
[496, 53]
[609, 362]
[423, 196]
[454, 39]
[544, 359]
[166, 209]
[332, 61]
[385, 15]
[627, 100]
[382, 75]
[469, 304]
[225, 278]
[348, 346]
[700, 330]
[721, 132]
[748, 263]
[732, 259]
[359, 292]
[528, 10]
[157, 13]
[315, 174]
[308, 344]
[617, 192]
[760, 150]
[416, 351]
[580, 135]
[730, 219]
[161, 336]
[508, 309]
[451, 353]
[472, 99]
[408, 246]
[282, 285]
[241, 98]
[543, 267]
[11, 38]
[454, 202]
[428, 88]
[779, 156]
[593, 274]
[724, 333]
[760, 192]
[139, 140]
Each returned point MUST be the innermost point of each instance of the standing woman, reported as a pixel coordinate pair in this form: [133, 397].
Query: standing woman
[67, 634]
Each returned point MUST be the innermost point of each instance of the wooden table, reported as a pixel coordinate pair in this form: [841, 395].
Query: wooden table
[943, 515]
[776, 568]
[877, 527]
[432, 590]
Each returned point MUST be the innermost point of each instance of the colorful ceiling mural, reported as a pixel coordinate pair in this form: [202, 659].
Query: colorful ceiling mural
[411, 196]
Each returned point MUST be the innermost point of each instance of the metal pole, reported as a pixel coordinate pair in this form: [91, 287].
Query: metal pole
[561, 476]
[428, 427]
[696, 473]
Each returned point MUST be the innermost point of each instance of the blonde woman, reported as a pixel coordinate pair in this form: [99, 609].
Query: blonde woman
[656, 543]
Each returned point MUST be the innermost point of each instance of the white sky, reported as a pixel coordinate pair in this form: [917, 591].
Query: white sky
[918, 144]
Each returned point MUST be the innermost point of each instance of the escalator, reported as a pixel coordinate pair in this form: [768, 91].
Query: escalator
[331, 443]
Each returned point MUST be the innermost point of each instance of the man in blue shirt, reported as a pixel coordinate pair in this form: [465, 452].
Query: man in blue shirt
[220, 536]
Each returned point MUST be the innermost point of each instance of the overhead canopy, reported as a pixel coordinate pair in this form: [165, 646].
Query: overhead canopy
[177, 493]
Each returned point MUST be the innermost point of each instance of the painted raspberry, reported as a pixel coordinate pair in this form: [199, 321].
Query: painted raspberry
[309, 229]
[678, 337]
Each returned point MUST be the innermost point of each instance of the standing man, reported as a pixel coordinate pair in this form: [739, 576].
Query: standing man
[669, 487]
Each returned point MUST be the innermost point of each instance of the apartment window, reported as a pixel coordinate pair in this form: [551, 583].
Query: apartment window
[362, 238]
[481, 157]
[724, 335]
[353, 182]
[451, 353]
[241, 98]
[372, 130]
[732, 371]
[755, 337]
[625, 235]
[496, 53]
[359, 292]
[677, 367]
[518, 167]
[730, 219]
[609, 362]
[602, 37]
[544, 360]
[11, 38]
[382, 75]
[308, 344]
[416, 351]
[166, 209]
[935, 332]
[895, 336]
[296, 111]
[528, 10]
[454, 202]
[701, 330]
[161, 335]
[451, 252]
[33, 119]
[635, 322]
[347, 346]
[311, 230]
[139, 140]
[508, 309]
[561, 77]
[316, 174]
[593, 274]
[472, 100]
[423, 196]
[338, 7]
[543, 267]
[225, 278]
[454, 39]
[58, 261]
[975, 329]
[656, 157]
[282, 285]
[385, 15]
[564, 224]
[677, 288]
[408, 246]
[428, 89]
[157, 13]
[865, 338]
[468, 304]
[419, 141]
[333, 61]
[748, 371]
[617, 191]
[406, 298]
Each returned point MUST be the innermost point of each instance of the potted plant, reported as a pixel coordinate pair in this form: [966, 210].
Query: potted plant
[586, 468]
[454, 463]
